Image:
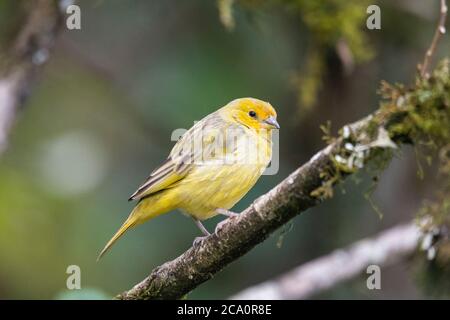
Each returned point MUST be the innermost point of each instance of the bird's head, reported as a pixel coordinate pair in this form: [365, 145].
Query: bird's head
[252, 113]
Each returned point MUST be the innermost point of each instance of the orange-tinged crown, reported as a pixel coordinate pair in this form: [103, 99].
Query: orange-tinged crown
[252, 113]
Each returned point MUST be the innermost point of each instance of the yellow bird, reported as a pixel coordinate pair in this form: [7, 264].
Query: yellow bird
[213, 165]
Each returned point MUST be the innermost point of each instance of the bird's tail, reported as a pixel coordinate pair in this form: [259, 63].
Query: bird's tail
[130, 222]
[146, 209]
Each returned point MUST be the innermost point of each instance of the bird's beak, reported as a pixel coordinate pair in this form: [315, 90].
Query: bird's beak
[273, 122]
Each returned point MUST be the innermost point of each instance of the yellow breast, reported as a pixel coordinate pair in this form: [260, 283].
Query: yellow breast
[221, 184]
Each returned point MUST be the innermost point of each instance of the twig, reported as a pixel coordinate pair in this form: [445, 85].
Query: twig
[29, 52]
[323, 273]
[440, 31]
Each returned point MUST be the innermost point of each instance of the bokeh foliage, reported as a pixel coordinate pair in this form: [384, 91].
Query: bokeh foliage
[329, 25]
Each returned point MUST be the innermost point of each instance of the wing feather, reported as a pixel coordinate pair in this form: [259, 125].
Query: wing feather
[159, 179]
[184, 156]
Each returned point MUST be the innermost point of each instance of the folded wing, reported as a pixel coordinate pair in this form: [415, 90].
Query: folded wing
[183, 157]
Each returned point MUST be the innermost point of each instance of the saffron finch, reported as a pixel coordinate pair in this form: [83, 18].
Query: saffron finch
[212, 166]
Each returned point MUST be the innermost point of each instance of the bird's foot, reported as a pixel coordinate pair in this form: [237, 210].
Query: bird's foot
[220, 225]
[198, 241]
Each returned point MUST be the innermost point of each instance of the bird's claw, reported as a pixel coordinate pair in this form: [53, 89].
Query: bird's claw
[198, 241]
[220, 225]
[232, 214]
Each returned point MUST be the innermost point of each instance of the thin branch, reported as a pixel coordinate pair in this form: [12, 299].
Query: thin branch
[323, 273]
[440, 31]
[29, 51]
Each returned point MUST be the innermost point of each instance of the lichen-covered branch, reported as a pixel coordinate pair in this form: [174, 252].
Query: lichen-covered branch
[325, 272]
[176, 278]
[28, 52]
[404, 117]
[198, 264]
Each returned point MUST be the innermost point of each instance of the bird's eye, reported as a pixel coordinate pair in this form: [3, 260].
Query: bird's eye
[252, 114]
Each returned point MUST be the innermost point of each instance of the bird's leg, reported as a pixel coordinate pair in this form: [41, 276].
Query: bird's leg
[228, 213]
[204, 231]
[202, 227]
[225, 212]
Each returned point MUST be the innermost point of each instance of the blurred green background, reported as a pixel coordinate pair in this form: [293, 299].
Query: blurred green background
[101, 117]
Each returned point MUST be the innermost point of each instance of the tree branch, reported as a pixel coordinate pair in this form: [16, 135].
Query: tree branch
[323, 273]
[288, 199]
[29, 51]
[440, 31]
